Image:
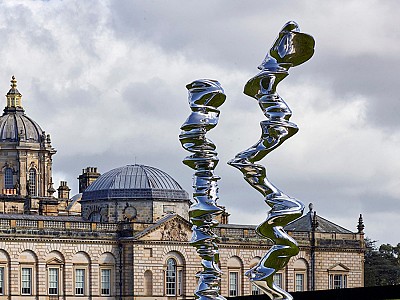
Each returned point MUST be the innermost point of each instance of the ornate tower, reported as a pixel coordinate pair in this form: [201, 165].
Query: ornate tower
[25, 151]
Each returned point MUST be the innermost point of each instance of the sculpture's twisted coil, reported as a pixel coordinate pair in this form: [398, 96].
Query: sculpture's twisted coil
[291, 48]
[205, 96]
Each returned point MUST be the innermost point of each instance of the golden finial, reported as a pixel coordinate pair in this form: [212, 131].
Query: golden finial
[13, 82]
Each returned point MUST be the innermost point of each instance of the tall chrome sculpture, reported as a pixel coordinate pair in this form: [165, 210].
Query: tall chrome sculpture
[205, 96]
[290, 49]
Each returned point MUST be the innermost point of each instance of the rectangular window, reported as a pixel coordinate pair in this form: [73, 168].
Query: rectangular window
[233, 284]
[53, 281]
[105, 282]
[171, 282]
[278, 279]
[255, 290]
[1, 280]
[8, 179]
[299, 282]
[168, 208]
[26, 281]
[338, 281]
[180, 282]
[148, 252]
[79, 282]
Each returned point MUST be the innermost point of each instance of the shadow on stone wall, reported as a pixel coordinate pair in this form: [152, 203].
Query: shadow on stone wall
[366, 293]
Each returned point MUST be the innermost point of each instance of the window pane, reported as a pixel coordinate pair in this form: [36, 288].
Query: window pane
[171, 277]
[299, 282]
[26, 281]
[255, 290]
[79, 282]
[233, 284]
[338, 281]
[278, 279]
[8, 179]
[32, 182]
[105, 281]
[1, 281]
[180, 282]
[53, 281]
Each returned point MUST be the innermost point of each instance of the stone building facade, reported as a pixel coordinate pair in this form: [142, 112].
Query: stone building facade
[126, 235]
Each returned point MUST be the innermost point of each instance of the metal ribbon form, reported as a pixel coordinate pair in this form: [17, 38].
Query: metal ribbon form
[290, 49]
[205, 96]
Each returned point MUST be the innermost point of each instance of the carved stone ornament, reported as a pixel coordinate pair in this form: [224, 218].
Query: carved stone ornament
[129, 212]
[173, 231]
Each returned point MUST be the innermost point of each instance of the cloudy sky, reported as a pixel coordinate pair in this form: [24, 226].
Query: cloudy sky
[107, 80]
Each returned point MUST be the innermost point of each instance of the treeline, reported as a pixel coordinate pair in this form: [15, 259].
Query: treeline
[382, 265]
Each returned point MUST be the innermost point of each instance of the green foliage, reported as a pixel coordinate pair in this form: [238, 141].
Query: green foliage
[382, 266]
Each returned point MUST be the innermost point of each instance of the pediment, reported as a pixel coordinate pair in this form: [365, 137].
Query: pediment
[54, 261]
[339, 268]
[173, 228]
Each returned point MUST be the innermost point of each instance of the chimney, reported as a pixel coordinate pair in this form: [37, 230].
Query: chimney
[88, 176]
[63, 190]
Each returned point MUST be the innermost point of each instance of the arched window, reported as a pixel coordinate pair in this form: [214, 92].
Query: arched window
[81, 265]
[107, 276]
[32, 182]
[174, 274]
[300, 275]
[27, 268]
[148, 283]
[4, 271]
[235, 270]
[255, 290]
[171, 277]
[8, 179]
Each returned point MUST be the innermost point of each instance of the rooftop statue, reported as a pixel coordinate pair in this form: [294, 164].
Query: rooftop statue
[290, 49]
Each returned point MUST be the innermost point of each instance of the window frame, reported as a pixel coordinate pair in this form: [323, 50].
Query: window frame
[233, 280]
[103, 270]
[30, 280]
[8, 178]
[171, 280]
[303, 276]
[342, 280]
[32, 182]
[281, 279]
[83, 281]
[3, 280]
[255, 290]
[50, 280]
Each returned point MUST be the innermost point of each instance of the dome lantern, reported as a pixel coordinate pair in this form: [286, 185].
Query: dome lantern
[13, 98]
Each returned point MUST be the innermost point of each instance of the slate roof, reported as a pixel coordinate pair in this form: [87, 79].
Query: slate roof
[304, 224]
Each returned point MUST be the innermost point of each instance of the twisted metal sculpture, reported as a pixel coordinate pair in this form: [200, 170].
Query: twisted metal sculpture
[290, 49]
[205, 96]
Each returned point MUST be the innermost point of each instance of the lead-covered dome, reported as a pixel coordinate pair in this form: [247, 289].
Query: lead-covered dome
[14, 124]
[135, 182]
[19, 127]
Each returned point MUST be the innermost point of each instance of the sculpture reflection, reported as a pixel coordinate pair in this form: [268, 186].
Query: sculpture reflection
[205, 96]
[290, 49]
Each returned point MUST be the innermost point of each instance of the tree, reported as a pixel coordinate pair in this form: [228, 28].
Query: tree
[382, 266]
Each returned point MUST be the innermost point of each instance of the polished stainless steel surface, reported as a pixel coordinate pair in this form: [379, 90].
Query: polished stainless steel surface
[205, 96]
[290, 49]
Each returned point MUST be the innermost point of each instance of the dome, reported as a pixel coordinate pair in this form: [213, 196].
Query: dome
[135, 181]
[14, 124]
[19, 127]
